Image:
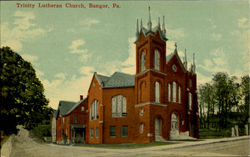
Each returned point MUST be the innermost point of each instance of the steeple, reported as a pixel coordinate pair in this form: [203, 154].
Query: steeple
[185, 59]
[159, 23]
[163, 26]
[137, 29]
[149, 20]
[194, 62]
[141, 25]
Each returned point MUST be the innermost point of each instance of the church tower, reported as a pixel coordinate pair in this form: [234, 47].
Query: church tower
[150, 74]
[150, 59]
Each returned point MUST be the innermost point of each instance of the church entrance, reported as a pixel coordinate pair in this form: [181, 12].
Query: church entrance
[174, 124]
[157, 127]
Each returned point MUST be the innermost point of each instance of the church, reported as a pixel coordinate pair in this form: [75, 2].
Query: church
[157, 103]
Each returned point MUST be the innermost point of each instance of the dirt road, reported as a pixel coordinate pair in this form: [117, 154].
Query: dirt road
[24, 146]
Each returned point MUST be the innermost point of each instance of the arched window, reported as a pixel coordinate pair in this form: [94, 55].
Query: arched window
[179, 94]
[174, 92]
[119, 106]
[157, 92]
[157, 60]
[190, 100]
[141, 128]
[142, 61]
[93, 110]
[169, 92]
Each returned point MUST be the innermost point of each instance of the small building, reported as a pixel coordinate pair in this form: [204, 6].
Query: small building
[71, 121]
[158, 103]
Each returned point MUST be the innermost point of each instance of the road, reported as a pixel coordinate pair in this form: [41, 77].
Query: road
[23, 146]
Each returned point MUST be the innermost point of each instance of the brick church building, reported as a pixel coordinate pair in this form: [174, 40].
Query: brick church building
[158, 103]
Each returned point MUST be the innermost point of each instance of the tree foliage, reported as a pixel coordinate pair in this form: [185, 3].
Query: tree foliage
[224, 102]
[22, 93]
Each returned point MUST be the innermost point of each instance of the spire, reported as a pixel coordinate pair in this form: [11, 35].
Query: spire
[194, 62]
[159, 23]
[137, 28]
[141, 25]
[163, 26]
[149, 20]
[185, 59]
[175, 50]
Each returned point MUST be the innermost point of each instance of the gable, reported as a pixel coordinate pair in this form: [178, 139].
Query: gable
[171, 58]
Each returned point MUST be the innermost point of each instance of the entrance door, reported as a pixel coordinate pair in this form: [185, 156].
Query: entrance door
[157, 126]
[174, 123]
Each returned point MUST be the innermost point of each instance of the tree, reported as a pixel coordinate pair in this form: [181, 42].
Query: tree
[245, 93]
[22, 94]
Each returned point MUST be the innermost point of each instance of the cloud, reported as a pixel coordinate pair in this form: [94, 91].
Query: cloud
[89, 22]
[243, 23]
[39, 73]
[86, 70]
[61, 76]
[62, 88]
[23, 30]
[74, 47]
[202, 79]
[23, 19]
[29, 57]
[130, 63]
[15, 45]
[217, 63]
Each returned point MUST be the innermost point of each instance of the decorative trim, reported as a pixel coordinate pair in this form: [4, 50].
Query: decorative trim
[150, 70]
[151, 103]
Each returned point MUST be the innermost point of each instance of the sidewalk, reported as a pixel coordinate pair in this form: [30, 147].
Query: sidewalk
[197, 143]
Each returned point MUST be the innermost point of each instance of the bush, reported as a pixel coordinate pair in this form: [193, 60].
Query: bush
[42, 131]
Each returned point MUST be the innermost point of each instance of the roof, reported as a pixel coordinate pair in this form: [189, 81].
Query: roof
[75, 106]
[151, 32]
[64, 107]
[117, 80]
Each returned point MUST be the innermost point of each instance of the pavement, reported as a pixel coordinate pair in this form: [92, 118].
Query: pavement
[22, 145]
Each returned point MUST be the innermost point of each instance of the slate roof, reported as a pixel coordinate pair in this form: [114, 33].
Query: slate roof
[75, 106]
[117, 80]
[64, 107]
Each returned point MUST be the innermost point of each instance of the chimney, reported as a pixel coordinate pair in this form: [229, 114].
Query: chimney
[81, 97]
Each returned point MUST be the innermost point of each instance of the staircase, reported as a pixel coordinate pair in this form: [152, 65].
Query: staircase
[180, 136]
[159, 139]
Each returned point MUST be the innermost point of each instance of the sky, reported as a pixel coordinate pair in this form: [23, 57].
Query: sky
[67, 45]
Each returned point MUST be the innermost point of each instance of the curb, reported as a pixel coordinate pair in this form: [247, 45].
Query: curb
[185, 145]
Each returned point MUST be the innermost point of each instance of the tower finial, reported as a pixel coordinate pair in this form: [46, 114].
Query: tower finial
[185, 59]
[141, 25]
[159, 23]
[149, 20]
[163, 25]
[137, 28]
[193, 62]
[175, 50]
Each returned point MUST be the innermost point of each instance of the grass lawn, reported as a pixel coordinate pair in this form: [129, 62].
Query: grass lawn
[129, 145]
